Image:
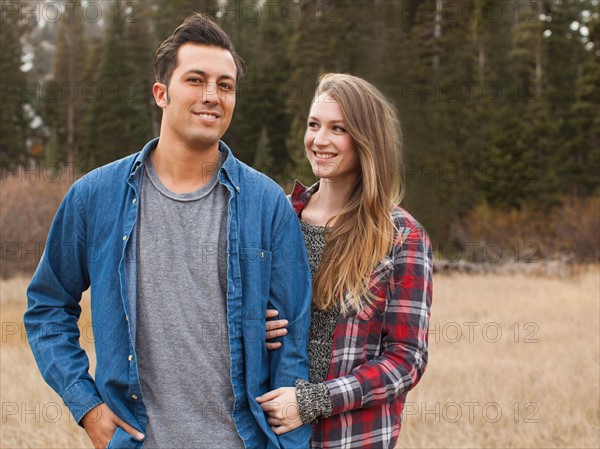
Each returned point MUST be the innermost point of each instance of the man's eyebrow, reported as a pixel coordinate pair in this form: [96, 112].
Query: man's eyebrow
[203, 73]
[196, 71]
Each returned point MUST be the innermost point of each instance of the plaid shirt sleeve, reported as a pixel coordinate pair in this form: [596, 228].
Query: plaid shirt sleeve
[404, 281]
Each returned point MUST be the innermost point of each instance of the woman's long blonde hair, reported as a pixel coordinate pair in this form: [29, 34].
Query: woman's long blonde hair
[363, 231]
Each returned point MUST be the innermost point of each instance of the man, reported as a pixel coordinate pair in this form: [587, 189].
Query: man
[184, 248]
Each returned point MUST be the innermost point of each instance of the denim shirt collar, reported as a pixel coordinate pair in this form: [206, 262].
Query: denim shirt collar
[141, 156]
[230, 167]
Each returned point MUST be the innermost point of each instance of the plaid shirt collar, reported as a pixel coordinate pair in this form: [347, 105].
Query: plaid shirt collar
[300, 195]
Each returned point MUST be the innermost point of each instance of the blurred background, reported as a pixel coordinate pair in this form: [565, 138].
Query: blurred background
[499, 105]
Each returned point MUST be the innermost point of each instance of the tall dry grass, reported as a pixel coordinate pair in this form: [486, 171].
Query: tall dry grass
[33, 415]
[528, 375]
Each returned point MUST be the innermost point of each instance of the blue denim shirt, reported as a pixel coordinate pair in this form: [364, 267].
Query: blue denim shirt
[92, 243]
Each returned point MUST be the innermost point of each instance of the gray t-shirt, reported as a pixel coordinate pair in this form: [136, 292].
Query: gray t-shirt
[182, 338]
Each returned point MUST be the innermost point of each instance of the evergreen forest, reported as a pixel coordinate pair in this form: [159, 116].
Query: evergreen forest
[498, 101]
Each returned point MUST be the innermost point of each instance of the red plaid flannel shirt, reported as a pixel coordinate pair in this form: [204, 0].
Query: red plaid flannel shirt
[381, 353]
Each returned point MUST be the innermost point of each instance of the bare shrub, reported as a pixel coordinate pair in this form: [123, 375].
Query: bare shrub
[577, 227]
[27, 207]
[569, 232]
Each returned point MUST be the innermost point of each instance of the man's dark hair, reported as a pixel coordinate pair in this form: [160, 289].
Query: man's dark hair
[199, 29]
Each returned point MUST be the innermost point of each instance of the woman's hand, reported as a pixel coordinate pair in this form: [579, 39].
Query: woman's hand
[275, 328]
[281, 408]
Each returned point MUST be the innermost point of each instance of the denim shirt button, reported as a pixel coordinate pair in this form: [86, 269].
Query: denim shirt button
[124, 237]
[134, 397]
[134, 201]
[130, 358]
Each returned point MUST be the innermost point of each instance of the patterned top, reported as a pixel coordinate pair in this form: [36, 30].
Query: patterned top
[313, 398]
[322, 322]
[379, 354]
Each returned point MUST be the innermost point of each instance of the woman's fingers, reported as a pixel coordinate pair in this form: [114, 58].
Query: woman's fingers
[276, 333]
[275, 421]
[272, 313]
[276, 325]
[275, 329]
[285, 427]
[268, 396]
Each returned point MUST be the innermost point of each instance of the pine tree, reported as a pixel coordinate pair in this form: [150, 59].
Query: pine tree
[527, 38]
[261, 35]
[119, 122]
[13, 120]
[581, 166]
[434, 106]
[168, 15]
[273, 76]
[493, 100]
[317, 46]
[243, 27]
[263, 160]
[140, 38]
[64, 113]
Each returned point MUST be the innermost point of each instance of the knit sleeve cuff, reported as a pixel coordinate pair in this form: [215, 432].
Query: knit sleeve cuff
[313, 400]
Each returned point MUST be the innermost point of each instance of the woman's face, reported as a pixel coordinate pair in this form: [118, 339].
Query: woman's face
[328, 145]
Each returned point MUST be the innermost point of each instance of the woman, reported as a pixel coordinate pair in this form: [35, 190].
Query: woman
[372, 268]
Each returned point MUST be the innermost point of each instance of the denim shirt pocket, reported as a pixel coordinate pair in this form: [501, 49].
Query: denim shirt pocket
[256, 254]
[256, 273]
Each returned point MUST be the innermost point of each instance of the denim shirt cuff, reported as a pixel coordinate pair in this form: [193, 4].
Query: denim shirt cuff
[81, 397]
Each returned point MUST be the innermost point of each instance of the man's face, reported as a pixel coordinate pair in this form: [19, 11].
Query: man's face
[199, 101]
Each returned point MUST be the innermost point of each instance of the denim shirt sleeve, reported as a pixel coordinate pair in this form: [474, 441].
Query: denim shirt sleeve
[53, 308]
[291, 295]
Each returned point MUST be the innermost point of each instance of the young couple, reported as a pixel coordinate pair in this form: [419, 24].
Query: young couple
[186, 249]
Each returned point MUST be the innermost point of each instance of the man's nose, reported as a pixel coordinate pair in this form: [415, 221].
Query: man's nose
[210, 95]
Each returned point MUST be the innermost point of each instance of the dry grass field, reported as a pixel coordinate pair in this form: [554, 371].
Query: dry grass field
[514, 362]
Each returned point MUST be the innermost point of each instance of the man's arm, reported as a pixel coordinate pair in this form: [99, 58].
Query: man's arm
[291, 295]
[51, 322]
[53, 308]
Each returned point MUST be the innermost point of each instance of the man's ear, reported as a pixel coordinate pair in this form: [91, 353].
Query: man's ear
[159, 90]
